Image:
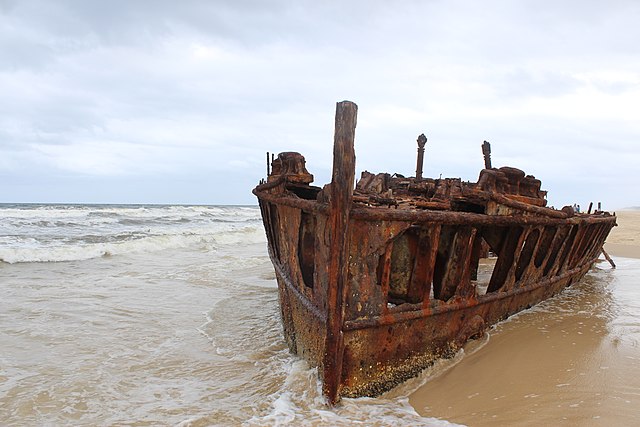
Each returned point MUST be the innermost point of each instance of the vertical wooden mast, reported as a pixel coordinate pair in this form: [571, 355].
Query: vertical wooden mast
[341, 194]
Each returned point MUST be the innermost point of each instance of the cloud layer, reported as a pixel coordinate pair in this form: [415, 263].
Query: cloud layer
[177, 102]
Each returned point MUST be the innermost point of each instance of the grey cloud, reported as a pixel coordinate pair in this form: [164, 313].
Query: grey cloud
[521, 83]
[195, 92]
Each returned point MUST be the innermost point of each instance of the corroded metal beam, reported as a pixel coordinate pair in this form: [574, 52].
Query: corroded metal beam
[341, 193]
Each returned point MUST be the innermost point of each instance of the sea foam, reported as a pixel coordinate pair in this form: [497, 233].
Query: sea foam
[75, 233]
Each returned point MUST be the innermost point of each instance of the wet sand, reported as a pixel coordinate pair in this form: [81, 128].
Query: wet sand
[572, 360]
[624, 240]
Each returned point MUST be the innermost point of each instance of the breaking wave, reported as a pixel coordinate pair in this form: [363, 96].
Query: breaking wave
[72, 233]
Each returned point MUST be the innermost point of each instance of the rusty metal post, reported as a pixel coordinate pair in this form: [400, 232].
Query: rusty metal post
[268, 164]
[608, 258]
[422, 140]
[486, 151]
[341, 194]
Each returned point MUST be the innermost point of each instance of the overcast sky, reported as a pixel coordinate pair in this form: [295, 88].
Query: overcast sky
[178, 101]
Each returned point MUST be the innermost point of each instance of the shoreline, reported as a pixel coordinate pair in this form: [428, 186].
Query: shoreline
[624, 240]
[622, 251]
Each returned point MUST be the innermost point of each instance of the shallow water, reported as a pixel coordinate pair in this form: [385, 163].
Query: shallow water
[168, 315]
[152, 316]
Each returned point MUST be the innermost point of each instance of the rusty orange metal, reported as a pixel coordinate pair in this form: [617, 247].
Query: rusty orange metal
[379, 280]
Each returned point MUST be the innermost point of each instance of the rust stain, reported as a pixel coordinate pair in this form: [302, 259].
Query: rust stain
[378, 280]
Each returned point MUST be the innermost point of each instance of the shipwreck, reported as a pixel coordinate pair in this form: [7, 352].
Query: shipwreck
[378, 280]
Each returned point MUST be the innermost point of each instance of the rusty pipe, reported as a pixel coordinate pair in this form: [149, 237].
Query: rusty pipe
[422, 141]
[486, 151]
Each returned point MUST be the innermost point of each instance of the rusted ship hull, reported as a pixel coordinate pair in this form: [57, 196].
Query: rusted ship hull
[376, 284]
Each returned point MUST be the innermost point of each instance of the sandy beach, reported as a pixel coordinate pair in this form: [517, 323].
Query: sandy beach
[624, 240]
[571, 360]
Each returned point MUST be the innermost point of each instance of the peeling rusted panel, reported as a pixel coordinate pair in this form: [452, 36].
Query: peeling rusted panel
[378, 281]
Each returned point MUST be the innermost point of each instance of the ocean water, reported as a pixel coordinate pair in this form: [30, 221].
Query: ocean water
[153, 315]
[168, 315]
